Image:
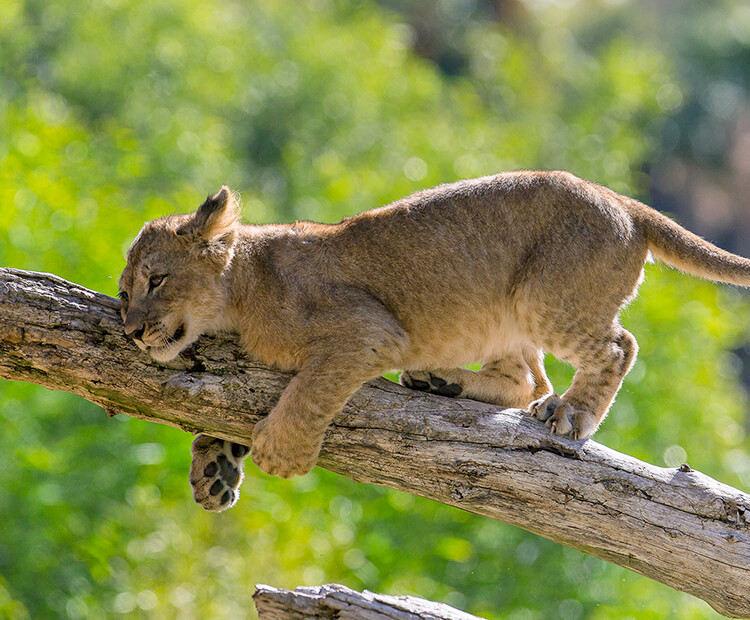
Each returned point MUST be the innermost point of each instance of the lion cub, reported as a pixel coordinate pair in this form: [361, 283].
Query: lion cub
[498, 269]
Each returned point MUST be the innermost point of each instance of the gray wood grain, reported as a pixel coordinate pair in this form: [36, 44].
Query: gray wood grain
[679, 527]
[338, 602]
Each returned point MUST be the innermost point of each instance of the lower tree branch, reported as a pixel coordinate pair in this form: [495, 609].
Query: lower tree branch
[335, 601]
[677, 526]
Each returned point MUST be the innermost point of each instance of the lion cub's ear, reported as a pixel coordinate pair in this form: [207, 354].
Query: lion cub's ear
[215, 220]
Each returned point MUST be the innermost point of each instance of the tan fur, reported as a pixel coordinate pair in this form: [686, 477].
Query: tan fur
[498, 269]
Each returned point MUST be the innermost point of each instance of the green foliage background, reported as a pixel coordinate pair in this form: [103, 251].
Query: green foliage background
[117, 111]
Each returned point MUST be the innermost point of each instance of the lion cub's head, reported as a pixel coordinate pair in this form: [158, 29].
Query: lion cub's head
[174, 286]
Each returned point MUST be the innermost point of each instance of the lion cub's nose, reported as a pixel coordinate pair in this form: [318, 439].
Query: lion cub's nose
[134, 329]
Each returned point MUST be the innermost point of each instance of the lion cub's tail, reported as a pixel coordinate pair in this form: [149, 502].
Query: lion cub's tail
[676, 246]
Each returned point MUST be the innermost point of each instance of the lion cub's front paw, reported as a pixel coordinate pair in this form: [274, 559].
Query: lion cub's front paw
[216, 472]
[562, 418]
[276, 453]
[428, 382]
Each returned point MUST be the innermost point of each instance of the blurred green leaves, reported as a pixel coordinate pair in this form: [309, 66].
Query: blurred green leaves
[115, 111]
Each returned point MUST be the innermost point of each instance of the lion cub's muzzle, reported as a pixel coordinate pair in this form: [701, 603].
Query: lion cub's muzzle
[152, 336]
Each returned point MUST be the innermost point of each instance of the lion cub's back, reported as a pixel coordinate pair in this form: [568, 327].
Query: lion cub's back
[461, 238]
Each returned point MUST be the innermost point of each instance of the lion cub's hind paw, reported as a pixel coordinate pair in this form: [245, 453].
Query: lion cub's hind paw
[562, 418]
[216, 472]
[429, 382]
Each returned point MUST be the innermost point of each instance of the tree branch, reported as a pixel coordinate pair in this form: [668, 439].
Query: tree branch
[679, 527]
[335, 601]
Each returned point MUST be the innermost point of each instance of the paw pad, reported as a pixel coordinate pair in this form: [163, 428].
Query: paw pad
[428, 382]
[216, 472]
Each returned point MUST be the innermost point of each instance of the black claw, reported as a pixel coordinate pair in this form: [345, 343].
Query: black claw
[422, 386]
[437, 382]
[216, 487]
[211, 469]
[226, 497]
[452, 389]
[238, 450]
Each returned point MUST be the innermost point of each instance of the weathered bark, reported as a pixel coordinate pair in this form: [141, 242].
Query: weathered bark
[679, 527]
[337, 602]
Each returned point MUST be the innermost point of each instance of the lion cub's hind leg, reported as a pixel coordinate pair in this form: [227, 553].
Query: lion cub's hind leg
[513, 380]
[602, 364]
[216, 472]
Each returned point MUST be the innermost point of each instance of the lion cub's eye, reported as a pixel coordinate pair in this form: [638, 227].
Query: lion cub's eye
[155, 281]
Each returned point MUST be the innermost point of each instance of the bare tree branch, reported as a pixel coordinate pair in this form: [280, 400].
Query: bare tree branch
[677, 526]
[339, 602]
